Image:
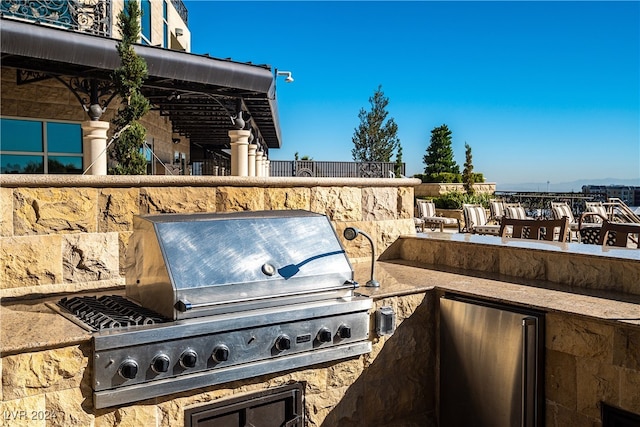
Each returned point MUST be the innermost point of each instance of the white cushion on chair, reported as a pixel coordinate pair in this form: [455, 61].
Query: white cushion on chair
[515, 213]
[476, 215]
[426, 209]
[560, 211]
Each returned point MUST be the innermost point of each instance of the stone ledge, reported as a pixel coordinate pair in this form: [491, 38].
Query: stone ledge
[114, 181]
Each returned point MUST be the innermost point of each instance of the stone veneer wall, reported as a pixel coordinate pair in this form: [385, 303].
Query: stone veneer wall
[592, 354]
[67, 234]
[589, 361]
[575, 271]
[389, 385]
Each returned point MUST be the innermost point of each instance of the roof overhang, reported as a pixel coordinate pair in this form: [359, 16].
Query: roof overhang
[209, 88]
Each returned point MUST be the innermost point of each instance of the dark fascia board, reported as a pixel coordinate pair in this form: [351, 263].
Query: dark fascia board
[61, 46]
[64, 46]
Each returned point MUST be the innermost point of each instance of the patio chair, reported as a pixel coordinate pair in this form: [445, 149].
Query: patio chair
[535, 229]
[560, 210]
[496, 210]
[589, 227]
[515, 211]
[476, 221]
[597, 208]
[427, 214]
[622, 235]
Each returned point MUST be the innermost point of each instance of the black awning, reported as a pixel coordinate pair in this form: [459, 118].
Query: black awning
[197, 78]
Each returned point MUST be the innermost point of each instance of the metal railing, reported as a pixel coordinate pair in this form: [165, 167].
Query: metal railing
[182, 10]
[87, 16]
[218, 166]
[620, 212]
[312, 168]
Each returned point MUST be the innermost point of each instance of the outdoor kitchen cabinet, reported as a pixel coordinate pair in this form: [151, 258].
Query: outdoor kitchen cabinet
[491, 364]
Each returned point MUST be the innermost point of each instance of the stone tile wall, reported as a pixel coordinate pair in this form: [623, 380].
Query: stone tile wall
[64, 238]
[589, 362]
[391, 384]
[568, 269]
[70, 238]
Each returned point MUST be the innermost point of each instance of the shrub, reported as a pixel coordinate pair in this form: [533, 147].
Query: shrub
[455, 200]
[446, 177]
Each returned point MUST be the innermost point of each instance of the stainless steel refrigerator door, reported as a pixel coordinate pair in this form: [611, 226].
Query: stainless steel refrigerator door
[487, 372]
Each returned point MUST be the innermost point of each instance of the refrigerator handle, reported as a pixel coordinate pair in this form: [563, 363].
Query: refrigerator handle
[529, 371]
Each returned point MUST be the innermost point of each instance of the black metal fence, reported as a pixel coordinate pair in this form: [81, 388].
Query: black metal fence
[92, 17]
[312, 168]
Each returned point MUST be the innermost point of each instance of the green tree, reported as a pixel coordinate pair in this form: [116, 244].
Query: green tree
[127, 79]
[468, 177]
[397, 168]
[439, 157]
[375, 139]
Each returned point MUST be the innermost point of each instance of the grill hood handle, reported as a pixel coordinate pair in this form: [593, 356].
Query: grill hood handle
[184, 305]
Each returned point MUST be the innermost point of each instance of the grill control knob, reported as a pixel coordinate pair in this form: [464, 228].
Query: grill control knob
[128, 369]
[283, 343]
[160, 363]
[188, 359]
[325, 335]
[344, 331]
[220, 353]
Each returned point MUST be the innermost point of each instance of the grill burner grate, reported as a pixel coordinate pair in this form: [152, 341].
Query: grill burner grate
[109, 311]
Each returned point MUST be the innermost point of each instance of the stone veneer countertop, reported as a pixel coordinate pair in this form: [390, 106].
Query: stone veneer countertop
[569, 248]
[33, 325]
[399, 277]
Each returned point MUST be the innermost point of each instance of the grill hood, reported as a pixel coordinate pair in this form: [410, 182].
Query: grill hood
[191, 265]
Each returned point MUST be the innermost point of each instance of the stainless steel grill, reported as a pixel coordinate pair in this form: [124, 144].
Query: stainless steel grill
[223, 297]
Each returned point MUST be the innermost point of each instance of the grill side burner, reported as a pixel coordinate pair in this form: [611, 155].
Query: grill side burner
[109, 311]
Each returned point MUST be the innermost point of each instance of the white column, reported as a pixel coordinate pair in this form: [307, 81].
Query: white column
[267, 168]
[239, 152]
[94, 147]
[259, 168]
[252, 159]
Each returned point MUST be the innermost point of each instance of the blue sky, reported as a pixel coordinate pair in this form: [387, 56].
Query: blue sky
[541, 91]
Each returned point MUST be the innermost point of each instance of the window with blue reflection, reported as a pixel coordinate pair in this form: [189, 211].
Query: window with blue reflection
[26, 148]
[21, 164]
[65, 164]
[145, 8]
[64, 138]
[165, 26]
[20, 135]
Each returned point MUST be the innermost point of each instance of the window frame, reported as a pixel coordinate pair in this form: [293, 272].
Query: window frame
[45, 154]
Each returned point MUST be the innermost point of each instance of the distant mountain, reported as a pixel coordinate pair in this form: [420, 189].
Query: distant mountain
[561, 187]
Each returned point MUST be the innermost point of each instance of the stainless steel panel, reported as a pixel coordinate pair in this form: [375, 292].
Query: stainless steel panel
[117, 338]
[214, 258]
[244, 345]
[481, 366]
[127, 394]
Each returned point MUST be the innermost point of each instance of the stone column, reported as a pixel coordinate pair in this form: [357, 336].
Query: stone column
[239, 152]
[267, 170]
[259, 168]
[94, 144]
[252, 159]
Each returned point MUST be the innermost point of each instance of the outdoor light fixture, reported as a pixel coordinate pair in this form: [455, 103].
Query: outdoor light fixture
[179, 32]
[350, 233]
[287, 79]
